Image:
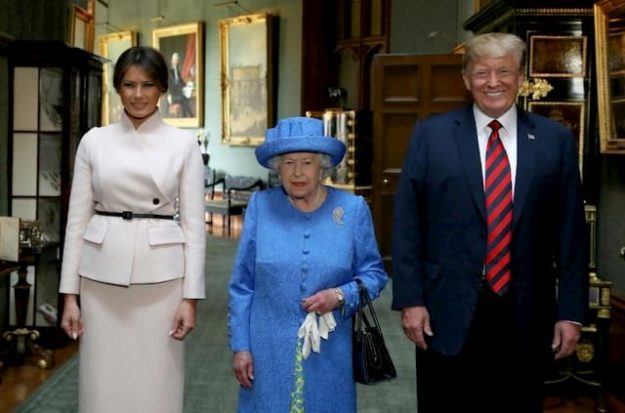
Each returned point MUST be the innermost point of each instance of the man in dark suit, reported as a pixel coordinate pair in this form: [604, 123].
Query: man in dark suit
[179, 104]
[489, 243]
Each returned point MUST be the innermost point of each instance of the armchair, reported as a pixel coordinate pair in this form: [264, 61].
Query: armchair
[236, 193]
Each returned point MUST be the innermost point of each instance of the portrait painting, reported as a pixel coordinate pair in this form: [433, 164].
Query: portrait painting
[183, 48]
[558, 56]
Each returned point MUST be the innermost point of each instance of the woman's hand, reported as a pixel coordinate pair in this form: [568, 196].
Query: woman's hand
[243, 367]
[70, 321]
[322, 301]
[184, 319]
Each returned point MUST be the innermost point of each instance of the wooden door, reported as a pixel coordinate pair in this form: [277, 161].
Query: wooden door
[405, 89]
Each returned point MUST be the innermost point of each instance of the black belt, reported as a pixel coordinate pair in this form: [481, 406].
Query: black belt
[131, 215]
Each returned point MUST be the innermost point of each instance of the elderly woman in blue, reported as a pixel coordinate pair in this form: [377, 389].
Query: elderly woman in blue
[293, 290]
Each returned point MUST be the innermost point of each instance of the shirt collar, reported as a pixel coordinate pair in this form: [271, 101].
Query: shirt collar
[507, 119]
[154, 119]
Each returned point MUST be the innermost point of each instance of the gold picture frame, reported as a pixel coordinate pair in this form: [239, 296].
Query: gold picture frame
[82, 28]
[112, 45]
[480, 4]
[558, 56]
[183, 48]
[248, 69]
[570, 114]
[609, 33]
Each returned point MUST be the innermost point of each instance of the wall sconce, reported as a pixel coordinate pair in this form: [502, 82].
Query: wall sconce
[234, 3]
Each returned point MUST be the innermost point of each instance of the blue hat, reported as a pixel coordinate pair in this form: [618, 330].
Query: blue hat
[299, 134]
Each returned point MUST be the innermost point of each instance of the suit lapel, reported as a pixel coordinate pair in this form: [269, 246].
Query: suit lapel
[526, 157]
[156, 155]
[465, 134]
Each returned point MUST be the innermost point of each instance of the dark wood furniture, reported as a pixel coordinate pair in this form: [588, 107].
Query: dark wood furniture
[6, 268]
[406, 88]
[340, 37]
[55, 94]
[343, 37]
[23, 339]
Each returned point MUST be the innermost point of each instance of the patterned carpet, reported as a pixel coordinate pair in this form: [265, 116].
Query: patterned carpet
[210, 385]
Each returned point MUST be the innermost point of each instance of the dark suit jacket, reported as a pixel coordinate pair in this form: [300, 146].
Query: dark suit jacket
[439, 236]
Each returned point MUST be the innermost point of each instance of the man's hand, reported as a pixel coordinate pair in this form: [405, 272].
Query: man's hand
[565, 337]
[416, 324]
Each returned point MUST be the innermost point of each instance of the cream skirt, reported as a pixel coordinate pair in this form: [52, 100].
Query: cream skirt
[127, 361]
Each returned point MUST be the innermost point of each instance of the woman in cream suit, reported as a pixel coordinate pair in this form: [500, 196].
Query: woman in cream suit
[132, 268]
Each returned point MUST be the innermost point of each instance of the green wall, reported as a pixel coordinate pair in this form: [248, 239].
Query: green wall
[413, 20]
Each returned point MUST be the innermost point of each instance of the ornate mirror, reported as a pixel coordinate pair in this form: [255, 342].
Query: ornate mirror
[610, 39]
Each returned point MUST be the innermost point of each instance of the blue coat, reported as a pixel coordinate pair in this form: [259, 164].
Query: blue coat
[439, 236]
[284, 256]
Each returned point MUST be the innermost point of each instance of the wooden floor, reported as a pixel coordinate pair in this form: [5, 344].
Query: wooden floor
[21, 381]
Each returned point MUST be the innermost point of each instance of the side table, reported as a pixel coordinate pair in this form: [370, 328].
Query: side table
[22, 340]
[587, 366]
[6, 268]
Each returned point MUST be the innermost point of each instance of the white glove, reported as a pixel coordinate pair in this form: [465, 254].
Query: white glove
[311, 331]
[326, 324]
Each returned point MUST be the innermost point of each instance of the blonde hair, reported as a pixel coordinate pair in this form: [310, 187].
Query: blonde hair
[494, 45]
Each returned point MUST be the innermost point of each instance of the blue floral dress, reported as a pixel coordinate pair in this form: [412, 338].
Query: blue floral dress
[285, 255]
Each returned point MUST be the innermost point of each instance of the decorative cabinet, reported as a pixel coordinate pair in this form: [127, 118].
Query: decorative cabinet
[54, 98]
[352, 128]
[561, 78]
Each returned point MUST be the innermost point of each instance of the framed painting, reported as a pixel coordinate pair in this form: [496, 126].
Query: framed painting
[571, 115]
[616, 53]
[183, 48]
[558, 56]
[82, 28]
[248, 54]
[609, 57]
[617, 108]
[112, 45]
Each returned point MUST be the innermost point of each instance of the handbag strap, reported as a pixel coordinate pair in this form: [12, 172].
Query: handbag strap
[365, 302]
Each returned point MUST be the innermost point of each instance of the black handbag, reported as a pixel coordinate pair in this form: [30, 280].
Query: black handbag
[371, 360]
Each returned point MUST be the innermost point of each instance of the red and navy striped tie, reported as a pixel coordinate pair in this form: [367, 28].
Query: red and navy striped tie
[498, 192]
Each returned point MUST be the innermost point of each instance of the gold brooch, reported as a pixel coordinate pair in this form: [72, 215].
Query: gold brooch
[337, 215]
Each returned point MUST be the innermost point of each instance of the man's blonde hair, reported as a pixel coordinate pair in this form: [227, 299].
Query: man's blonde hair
[494, 45]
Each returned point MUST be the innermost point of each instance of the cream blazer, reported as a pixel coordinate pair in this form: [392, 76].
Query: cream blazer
[120, 168]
